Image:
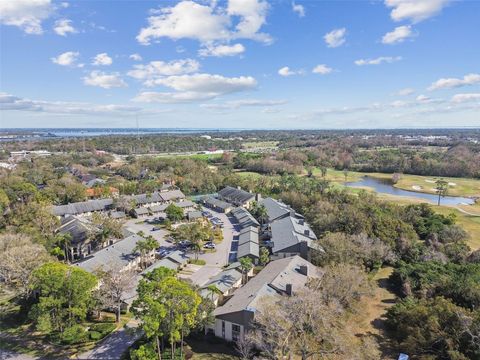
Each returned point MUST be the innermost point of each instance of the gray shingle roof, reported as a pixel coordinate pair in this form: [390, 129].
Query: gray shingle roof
[178, 256]
[158, 208]
[275, 209]
[171, 195]
[248, 243]
[162, 263]
[82, 207]
[290, 231]
[79, 229]
[213, 202]
[141, 211]
[244, 218]
[117, 214]
[271, 281]
[115, 256]
[192, 215]
[185, 204]
[225, 280]
[235, 196]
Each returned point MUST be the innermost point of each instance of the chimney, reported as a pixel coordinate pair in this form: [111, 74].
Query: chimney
[258, 197]
[289, 289]
[303, 270]
[301, 222]
[306, 232]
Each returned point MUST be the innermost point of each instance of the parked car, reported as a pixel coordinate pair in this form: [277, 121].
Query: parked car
[185, 243]
[209, 245]
[163, 252]
[155, 229]
[205, 213]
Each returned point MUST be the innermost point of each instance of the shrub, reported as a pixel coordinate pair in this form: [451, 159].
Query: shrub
[95, 335]
[197, 261]
[103, 328]
[75, 334]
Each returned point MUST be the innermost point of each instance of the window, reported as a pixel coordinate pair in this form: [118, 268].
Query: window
[235, 332]
[223, 329]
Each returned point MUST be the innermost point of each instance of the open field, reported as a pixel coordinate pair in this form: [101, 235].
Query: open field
[471, 224]
[259, 144]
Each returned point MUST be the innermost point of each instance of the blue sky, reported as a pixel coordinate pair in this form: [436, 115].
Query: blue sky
[240, 64]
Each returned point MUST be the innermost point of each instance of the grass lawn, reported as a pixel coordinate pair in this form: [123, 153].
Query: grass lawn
[259, 144]
[426, 184]
[471, 224]
[18, 335]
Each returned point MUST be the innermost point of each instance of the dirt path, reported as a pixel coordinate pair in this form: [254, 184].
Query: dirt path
[371, 317]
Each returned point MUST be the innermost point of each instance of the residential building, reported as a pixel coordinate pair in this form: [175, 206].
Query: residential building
[217, 205]
[248, 245]
[281, 277]
[194, 215]
[83, 207]
[225, 283]
[119, 255]
[244, 218]
[236, 196]
[286, 232]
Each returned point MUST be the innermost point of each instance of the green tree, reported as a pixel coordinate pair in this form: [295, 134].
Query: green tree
[441, 187]
[264, 255]
[196, 233]
[167, 308]
[245, 266]
[64, 296]
[174, 212]
[145, 247]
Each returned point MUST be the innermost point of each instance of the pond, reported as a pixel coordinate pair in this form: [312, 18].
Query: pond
[384, 187]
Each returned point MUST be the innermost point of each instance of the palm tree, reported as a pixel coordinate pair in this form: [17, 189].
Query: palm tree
[245, 266]
[145, 247]
[212, 289]
[64, 240]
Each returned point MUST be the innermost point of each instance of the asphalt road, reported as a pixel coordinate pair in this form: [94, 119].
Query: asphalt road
[114, 345]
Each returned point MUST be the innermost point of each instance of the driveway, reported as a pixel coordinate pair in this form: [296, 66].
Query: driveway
[159, 235]
[114, 345]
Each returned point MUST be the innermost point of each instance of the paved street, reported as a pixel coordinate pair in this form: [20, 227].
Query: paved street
[114, 345]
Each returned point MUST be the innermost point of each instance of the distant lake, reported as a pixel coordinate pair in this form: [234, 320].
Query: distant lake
[384, 187]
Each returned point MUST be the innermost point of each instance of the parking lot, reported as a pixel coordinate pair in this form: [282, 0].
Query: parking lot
[215, 260]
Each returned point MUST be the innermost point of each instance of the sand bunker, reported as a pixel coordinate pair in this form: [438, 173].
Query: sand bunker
[429, 181]
[416, 187]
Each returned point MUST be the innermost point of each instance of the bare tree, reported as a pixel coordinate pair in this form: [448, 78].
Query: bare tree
[19, 257]
[245, 346]
[115, 288]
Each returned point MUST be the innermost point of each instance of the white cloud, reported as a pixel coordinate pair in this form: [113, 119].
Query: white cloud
[398, 35]
[188, 19]
[222, 50]
[136, 57]
[158, 69]
[208, 83]
[104, 80]
[235, 104]
[286, 71]
[335, 38]
[405, 92]
[68, 58]
[415, 10]
[460, 98]
[171, 97]
[25, 14]
[423, 99]
[378, 61]
[449, 83]
[63, 27]
[298, 9]
[196, 87]
[102, 59]
[10, 102]
[322, 69]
